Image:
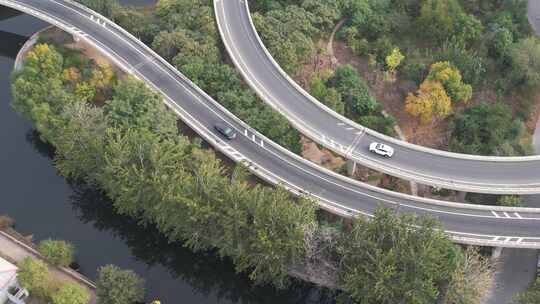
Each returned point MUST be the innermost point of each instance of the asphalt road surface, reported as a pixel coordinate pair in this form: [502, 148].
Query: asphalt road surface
[464, 223]
[427, 166]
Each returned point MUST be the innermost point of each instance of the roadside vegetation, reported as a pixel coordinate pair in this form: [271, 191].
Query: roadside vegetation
[34, 275]
[458, 68]
[116, 134]
[56, 252]
[531, 296]
[117, 286]
[184, 33]
[472, 60]
[291, 30]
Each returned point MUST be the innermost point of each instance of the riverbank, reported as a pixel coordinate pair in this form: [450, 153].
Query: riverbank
[84, 217]
[15, 249]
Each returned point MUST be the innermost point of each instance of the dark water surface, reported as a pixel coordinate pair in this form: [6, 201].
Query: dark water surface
[47, 206]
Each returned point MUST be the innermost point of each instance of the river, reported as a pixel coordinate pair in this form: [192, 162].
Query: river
[46, 205]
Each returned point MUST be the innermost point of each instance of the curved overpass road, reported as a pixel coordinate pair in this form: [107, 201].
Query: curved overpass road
[509, 227]
[516, 175]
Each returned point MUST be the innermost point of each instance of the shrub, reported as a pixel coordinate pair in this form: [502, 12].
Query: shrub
[6, 222]
[531, 295]
[429, 103]
[117, 286]
[488, 129]
[56, 252]
[450, 78]
[385, 261]
[34, 276]
[382, 48]
[415, 71]
[445, 19]
[470, 64]
[500, 42]
[354, 91]
[71, 293]
[471, 279]
[394, 59]
[525, 62]
[510, 201]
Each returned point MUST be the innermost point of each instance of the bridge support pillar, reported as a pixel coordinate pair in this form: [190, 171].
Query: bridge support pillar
[351, 167]
[496, 253]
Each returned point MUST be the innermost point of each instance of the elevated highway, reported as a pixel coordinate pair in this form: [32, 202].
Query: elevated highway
[480, 225]
[470, 173]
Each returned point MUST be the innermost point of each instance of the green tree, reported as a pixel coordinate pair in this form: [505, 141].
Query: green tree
[326, 13]
[71, 293]
[39, 81]
[525, 61]
[387, 262]
[277, 241]
[445, 19]
[501, 41]
[328, 96]
[117, 286]
[134, 105]
[471, 65]
[354, 92]
[370, 18]
[34, 276]
[80, 141]
[484, 129]
[318, 88]
[292, 45]
[180, 45]
[59, 253]
[333, 100]
[135, 162]
[138, 22]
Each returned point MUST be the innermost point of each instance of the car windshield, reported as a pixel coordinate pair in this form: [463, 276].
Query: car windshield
[227, 131]
[384, 148]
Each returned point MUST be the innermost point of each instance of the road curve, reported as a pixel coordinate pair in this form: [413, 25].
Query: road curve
[483, 174]
[481, 225]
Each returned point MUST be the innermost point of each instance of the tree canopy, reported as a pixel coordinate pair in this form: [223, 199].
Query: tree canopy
[488, 129]
[57, 252]
[117, 286]
[429, 103]
[386, 261]
[71, 293]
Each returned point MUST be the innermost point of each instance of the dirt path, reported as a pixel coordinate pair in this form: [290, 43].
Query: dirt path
[330, 45]
[15, 251]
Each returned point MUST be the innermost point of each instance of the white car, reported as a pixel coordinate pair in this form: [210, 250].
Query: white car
[381, 149]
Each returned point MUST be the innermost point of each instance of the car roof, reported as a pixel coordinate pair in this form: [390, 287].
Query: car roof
[387, 148]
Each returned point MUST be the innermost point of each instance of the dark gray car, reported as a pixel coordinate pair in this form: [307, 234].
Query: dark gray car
[226, 131]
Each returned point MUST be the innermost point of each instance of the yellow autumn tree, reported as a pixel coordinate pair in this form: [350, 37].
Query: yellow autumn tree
[450, 77]
[429, 103]
[394, 59]
[71, 74]
[46, 60]
[102, 76]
